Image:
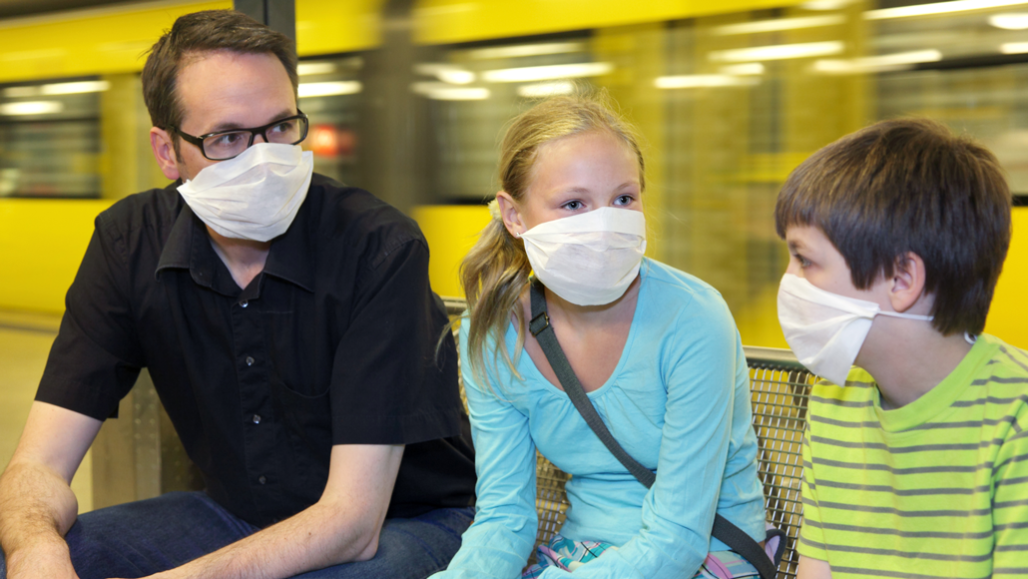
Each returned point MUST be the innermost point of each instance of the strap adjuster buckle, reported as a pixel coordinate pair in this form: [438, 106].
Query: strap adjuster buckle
[539, 323]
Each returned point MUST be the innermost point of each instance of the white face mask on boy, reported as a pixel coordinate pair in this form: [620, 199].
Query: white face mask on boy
[253, 196]
[826, 330]
[591, 258]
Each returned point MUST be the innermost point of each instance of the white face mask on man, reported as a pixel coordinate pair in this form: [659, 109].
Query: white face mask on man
[591, 258]
[826, 330]
[253, 196]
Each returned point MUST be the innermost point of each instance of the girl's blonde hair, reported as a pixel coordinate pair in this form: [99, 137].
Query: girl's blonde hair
[496, 270]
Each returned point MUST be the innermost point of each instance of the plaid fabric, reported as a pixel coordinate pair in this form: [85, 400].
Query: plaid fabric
[569, 555]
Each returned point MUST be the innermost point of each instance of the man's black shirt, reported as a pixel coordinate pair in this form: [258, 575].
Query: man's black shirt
[335, 342]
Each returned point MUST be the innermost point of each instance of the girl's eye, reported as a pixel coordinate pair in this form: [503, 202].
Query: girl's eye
[573, 205]
[804, 262]
[624, 200]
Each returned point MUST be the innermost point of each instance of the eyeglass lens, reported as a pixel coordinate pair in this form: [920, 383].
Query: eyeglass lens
[229, 144]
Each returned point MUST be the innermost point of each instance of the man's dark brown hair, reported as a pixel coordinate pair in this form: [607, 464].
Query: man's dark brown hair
[193, 35]
[909, 185]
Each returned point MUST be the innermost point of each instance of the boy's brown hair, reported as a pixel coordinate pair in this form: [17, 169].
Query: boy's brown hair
[191, 36]
[909, 185]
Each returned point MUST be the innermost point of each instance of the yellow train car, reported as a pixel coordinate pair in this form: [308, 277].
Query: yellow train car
[730, 96]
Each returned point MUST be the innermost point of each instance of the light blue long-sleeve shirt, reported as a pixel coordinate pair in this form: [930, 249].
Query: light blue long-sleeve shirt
[678, 402]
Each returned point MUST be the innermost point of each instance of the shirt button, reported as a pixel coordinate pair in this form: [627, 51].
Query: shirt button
[249, 360]
[244, 303]
[262, 480]
[256, 418]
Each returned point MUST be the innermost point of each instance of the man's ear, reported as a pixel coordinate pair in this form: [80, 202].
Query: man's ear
[907, 284]
[163, 146]
[509, 213]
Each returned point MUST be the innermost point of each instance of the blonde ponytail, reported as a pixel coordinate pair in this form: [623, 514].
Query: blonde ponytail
[495, 272]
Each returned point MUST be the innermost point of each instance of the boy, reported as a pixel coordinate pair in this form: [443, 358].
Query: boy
[915, 463]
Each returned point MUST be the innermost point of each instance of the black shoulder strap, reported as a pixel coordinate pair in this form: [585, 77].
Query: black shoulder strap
[723, 530]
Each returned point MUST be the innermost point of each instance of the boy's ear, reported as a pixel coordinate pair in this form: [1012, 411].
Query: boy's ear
[509, 214]
[907, 284]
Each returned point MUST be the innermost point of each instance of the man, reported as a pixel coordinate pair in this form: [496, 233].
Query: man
[289, 328]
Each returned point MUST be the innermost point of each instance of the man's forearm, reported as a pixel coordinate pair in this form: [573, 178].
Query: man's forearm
[320, 536]
[37, 507]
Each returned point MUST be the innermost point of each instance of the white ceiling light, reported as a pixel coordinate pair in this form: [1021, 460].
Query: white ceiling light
[701, 81]
[1009, 21]
[526, 50]
[445, 72]
[446, 92]
[826, 4]
[15, 92]
[745, 69]
[546, 89]
[59, 88]
[778, 51]
[552, 72]
[1014, 48]
[897, 61]
[75, 87]
[31, 108]
[780, 24]
[938, 8]
[316, 89]
[309, 68]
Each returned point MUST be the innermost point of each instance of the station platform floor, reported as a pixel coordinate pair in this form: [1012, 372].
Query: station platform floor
[25, 340]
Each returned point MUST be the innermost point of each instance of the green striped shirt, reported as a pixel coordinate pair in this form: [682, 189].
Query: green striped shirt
[937, 488]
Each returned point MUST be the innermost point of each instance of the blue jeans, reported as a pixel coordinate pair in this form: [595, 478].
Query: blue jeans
[145, 537]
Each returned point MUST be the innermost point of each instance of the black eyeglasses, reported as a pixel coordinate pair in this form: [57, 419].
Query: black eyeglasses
[224, 145]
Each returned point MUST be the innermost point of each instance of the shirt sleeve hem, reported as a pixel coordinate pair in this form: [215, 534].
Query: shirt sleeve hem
[405, 429]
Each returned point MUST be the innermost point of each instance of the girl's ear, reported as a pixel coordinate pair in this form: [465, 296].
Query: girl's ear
[907, 283]
[509, 214]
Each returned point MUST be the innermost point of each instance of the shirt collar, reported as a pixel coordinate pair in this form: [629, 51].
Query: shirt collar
[291, 256]
[188, 247]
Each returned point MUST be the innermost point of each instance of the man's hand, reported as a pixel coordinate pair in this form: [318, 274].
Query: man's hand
[343, 526]
[37, 506]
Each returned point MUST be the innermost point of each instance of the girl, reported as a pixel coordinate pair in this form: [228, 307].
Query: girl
[655, 349]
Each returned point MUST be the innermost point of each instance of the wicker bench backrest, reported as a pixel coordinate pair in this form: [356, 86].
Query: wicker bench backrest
[779, 389]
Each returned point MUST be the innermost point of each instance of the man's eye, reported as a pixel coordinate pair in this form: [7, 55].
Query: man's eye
[227, 139]
[283, 127]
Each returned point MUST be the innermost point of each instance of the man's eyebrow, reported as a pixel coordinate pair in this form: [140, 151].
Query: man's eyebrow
[232, 126]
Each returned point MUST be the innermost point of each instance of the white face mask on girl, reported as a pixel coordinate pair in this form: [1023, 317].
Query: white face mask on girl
[591, 258]
[253, 196]
[826, 330]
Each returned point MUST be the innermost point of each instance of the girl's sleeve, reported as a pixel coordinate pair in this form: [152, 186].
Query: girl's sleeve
[700, 368]
[498, 543]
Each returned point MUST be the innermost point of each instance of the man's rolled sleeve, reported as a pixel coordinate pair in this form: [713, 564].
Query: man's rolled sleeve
[95, 358]
[396, 361]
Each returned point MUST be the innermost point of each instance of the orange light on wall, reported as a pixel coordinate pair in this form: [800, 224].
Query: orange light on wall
[324, 141]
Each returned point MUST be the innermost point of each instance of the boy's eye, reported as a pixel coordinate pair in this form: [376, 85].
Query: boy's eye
[573, 205]
[804, 262]
[624, 200]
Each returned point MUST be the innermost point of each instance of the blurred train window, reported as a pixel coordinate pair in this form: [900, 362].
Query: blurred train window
[50, 139]
[330, 94]
[474, 90]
